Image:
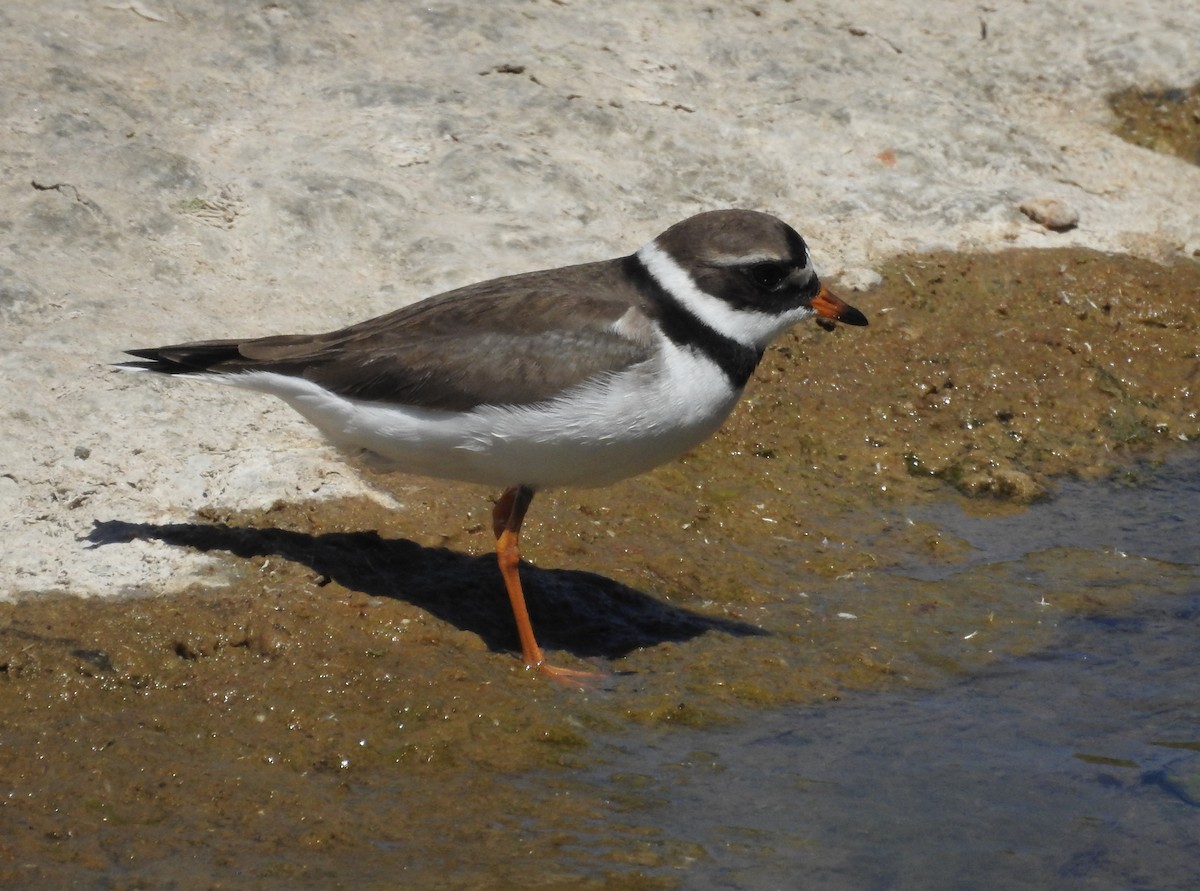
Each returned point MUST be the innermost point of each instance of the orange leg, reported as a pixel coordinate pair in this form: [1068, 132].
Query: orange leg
[507, 517]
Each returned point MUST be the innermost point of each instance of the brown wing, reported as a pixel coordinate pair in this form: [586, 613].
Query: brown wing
[515, 340]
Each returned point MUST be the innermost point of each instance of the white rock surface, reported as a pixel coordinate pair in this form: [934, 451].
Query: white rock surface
[185, 170]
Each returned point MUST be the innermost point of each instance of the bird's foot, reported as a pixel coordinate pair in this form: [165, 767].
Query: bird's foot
[568, 677]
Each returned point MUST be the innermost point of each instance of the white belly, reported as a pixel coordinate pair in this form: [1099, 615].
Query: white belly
[593, 435]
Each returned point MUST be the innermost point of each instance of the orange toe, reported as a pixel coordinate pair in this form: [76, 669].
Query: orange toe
[568, 677]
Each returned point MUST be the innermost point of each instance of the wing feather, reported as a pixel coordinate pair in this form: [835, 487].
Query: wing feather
[516, 340]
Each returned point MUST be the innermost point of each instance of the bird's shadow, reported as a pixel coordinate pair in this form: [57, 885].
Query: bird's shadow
[581, 612]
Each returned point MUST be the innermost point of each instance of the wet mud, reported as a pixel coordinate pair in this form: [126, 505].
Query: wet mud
[1164, 120]
[340, 705]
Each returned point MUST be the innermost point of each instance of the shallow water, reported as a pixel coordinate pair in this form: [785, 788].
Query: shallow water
[1147, 512]
[1077, 766]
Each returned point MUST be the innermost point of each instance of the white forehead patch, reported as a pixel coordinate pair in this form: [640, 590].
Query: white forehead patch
[800, 275]
[752, 259]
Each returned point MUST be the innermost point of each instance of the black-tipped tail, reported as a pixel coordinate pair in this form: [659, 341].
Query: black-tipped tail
[186, 358]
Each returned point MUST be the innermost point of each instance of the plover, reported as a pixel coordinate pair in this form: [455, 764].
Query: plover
[579, 376]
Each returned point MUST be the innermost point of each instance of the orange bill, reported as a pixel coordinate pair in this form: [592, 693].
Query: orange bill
[830, 306]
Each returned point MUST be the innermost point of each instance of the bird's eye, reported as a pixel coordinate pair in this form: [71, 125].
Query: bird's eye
[768, 275]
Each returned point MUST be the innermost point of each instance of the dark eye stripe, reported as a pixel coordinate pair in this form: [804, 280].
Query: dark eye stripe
[768, 275]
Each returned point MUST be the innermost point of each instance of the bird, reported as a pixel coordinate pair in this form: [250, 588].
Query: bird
[578, 376]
